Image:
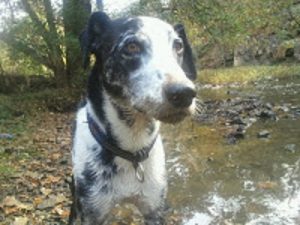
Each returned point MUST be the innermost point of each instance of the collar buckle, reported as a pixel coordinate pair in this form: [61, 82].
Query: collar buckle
[135, 158]
[139, 172]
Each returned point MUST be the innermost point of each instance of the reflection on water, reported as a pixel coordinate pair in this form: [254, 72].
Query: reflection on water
[256, 181]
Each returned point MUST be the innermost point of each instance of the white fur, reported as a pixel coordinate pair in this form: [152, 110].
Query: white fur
[146, 100]
[163, 61]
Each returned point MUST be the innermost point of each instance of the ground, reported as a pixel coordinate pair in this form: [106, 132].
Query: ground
[35, 143]
[35, 172]
[35, 162]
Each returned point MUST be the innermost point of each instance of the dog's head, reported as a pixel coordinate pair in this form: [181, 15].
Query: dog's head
[144, 62]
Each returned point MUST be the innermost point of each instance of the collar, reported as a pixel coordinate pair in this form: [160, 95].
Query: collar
[108, 144]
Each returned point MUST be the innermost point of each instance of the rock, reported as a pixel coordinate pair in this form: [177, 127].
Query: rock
[267, 114]
[290, 148]
[283, 108]
[6, 136]
[68, 180]
[297, 112]
[46, 204]
[233, 137]
[231, 140]
[269, 106]
[232, 92]
[63, 161]
[263, 134]
[237, 120]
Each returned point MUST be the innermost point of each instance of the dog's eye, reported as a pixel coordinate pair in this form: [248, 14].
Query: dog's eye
[133, 48]
[178, 46]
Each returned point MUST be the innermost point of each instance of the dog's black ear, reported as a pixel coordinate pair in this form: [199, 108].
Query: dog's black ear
[92, 37]
[188, 64]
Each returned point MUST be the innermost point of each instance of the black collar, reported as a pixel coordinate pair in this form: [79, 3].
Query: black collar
[134, 157]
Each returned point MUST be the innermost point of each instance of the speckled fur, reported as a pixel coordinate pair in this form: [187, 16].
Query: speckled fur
[126, 99]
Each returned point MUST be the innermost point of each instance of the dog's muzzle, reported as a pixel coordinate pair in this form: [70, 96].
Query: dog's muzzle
[180, 96]
[179, 99]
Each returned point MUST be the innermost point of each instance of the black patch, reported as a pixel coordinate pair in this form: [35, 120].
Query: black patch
[93, 37]
[159, 75]
[150, 128]
[95, 91]
[114, 90]
[82, 188]
[104, 189]
[82, 104]
[105, 157]
[95, 148]
[74, 206]
[125, 115]
[114, 168]
[132, 25]
[188, 64]
[106, 175]
[73, 129]
[90, 175]
[163, 194]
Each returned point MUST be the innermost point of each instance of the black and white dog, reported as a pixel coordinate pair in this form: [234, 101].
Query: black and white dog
[142, 74]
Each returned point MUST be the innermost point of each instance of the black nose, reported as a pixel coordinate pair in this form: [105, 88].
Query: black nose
[179, 95]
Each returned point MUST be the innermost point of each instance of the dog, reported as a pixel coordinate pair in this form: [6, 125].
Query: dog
[142, 75]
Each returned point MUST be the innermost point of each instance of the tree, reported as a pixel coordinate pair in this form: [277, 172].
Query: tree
[75, 16]
[230, 23]
[51, 38]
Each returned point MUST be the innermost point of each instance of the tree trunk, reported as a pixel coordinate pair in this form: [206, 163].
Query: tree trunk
[75, 16]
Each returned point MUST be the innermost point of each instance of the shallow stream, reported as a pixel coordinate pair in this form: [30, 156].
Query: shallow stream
[255, 181]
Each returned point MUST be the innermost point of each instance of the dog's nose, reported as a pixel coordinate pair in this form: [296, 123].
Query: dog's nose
[180, 96]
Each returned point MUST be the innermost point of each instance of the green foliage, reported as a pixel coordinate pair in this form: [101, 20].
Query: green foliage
[17, 63]
[154, 8]
[48, 38]
[230, 22]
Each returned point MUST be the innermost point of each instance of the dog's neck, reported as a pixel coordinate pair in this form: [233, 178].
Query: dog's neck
[131, 129]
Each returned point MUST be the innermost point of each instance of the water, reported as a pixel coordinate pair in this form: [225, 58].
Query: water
[254, 182]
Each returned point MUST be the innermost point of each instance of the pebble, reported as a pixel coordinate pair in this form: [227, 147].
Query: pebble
[267, 114]
[290, 148]
[6, 136]
[263, 134]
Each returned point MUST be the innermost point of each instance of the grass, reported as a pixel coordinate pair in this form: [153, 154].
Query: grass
[245, 74]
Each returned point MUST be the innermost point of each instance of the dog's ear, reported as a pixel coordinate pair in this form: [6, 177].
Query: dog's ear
[188, 64]
[92, 37]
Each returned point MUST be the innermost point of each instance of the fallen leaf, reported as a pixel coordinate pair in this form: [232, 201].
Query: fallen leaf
[47, 203]
[11, 201]
[10, 210]
[37, 200]
[51, 179]
[267, 185]
[60, 198]
[63, 213]
[20, 221]
[46, 191]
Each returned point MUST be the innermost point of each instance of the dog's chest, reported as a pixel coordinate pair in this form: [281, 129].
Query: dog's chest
[125, 182]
